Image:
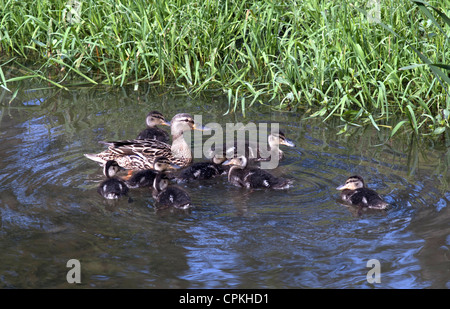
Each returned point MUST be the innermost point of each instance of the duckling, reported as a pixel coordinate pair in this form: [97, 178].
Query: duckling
[356, 193]
[169, 196]
[111, 168]
[153, 119]
[112, 187]
[145, 178]
[253, 151]
[242, 175]
[201, 171]
[140, 154]
[275, 139]
[140, 179]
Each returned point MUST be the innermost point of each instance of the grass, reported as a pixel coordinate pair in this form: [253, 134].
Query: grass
[328, 58]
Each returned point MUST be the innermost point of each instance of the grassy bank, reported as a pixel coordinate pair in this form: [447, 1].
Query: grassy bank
[324, 56]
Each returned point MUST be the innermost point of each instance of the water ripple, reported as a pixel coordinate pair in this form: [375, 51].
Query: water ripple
[233, 237]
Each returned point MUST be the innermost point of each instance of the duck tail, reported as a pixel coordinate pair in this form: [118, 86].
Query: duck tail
[380, 205]
[94, 157]
[285, 184]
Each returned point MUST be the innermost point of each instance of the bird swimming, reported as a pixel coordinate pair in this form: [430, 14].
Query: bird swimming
[201, 171]
[140, 154]
[167, 196]
[112, 187]
[355, 192]
[145, 178]
[242, 175]
[254, 151]
[153, 119]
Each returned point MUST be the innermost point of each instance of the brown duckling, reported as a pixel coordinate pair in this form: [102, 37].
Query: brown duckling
[354, 192]
[153, 119]
[245, 176]
[167, 196]
[201, 171]
[252, 150]
[112, 187]
[145, 178]
[140, 179]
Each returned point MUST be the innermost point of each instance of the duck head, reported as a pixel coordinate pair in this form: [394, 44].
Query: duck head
[352, 183]
[184, 122]
[111, 168]
[278, 138]
[155, 118]
[240, 161]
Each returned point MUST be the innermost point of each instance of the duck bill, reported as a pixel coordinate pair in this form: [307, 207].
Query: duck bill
[288, 143]
[342, 187]
[166, 123]
[199, 127]
[227, 162]
[174, 166]
[231, 162]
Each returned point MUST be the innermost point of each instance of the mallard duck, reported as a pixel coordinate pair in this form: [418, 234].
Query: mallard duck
[354, 192]
[153, 119]
[166, 195]
[140, 154]
[145, 178]
[248, 177]
[253, 151]
[201, 171]
[112, 187]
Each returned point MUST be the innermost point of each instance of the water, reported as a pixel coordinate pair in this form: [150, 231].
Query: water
[50, 211]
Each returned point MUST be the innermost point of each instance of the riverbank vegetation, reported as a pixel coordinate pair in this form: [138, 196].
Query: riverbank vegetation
[362, 61]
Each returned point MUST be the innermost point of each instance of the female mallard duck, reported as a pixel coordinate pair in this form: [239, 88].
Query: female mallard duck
[169, 196]
[112, 187]
[140, 154]
[242, 175]
[201, 171]
[252, 151]
[356, 193]
[153, 119]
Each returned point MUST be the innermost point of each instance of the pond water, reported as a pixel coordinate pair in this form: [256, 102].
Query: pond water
[50, 211]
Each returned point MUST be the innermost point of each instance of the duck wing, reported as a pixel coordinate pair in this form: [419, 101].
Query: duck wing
[151, 148]
[367, 198]
[258, 178]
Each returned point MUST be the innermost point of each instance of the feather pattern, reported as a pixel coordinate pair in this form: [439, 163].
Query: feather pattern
[138, 154]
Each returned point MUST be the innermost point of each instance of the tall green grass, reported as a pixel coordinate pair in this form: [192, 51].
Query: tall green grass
[325, 57]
